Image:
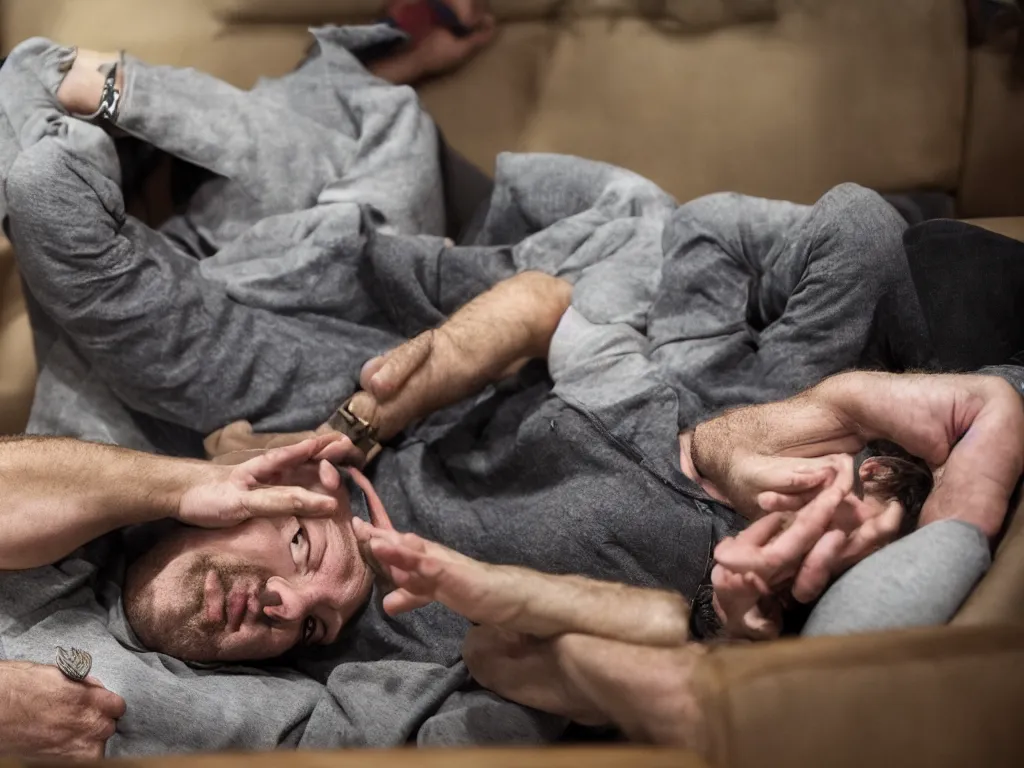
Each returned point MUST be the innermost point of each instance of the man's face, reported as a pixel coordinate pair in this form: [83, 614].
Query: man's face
[248, 593]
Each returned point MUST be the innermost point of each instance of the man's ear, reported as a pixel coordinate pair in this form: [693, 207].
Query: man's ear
[871, 469]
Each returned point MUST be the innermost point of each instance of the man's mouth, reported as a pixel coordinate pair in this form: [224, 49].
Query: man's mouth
[213, 598]
[238, 604]
[228, 606]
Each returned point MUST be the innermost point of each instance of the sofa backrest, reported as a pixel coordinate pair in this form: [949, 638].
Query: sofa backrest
[781, 98]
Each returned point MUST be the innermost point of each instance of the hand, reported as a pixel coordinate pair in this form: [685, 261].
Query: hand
[758, 483]
[782, 547]
[745, 605]
[440, 50]
[294, 480]
[48, 715]
[425, 572]
[970, 429]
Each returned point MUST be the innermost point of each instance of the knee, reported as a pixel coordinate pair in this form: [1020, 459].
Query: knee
[697, 218]
[707, 208]
[862, 213]
[866, 226]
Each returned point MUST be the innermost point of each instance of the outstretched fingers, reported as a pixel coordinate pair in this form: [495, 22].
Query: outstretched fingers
[779, 557]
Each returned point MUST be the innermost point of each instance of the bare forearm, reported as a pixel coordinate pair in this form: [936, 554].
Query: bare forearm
[514, 320]
[646, 691]
[60, 494]
[555, 605]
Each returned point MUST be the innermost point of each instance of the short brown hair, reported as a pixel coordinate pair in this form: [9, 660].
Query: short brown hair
[906, 479]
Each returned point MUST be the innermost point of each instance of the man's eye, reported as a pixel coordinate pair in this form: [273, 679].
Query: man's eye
[300, 548]
[308, 630]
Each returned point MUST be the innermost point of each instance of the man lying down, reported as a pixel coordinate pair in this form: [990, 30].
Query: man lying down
[569, 468]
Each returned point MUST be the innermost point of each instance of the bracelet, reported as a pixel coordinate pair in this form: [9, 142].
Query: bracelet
[110, 99]
[362, 434]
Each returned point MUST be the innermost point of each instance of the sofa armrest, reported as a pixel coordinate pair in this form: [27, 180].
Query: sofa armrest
[999, 598]
[1008, 226]
[946, 696]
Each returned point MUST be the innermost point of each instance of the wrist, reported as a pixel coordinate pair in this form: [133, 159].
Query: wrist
[704, 454]
[846, 398]
[168, 482]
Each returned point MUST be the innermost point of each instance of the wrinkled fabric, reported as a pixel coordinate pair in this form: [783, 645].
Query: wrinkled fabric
[315, 246]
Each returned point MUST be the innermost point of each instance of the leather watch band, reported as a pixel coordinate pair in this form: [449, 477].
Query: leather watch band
[362, 434]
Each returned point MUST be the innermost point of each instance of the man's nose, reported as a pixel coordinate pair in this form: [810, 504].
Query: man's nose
[282, 601]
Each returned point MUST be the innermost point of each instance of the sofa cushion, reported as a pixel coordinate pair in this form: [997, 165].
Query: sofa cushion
[17, 361]
[992, 182]
[871, 92]
[941, 697]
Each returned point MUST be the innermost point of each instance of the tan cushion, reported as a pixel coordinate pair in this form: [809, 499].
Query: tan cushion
[17, 360]
[948, 696]
[993, 173]
[160, 31]
[484, 109]
[871, 91]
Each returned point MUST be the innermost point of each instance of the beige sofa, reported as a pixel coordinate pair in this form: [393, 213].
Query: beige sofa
[782, 99]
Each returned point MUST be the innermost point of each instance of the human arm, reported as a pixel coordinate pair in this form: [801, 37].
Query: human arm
[521, 600]
[592, 651]
[969, 428]
[513, 321]
[43, 714]
[595, 652]
[440, 49]
[478, 345]
[60, 494]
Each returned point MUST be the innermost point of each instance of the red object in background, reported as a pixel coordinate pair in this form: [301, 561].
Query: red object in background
[417, 19]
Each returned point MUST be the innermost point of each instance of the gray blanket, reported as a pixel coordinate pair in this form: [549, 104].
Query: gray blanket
[315, 245]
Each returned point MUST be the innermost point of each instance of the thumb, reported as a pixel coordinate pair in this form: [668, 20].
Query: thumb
[399, 365]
